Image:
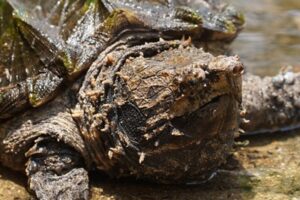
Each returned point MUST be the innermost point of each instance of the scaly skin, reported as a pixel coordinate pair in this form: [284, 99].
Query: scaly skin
[144, 134]
[163, 111]
[141, 107]
[56, 172]
[271, 104]
[46, 45]
[46, 144]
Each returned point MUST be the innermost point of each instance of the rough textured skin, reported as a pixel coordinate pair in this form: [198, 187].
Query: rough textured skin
[56, 172]
[20, 133]
[154, 108]
[272, 103]
[72, 185]
[46, 144]
[149, 106]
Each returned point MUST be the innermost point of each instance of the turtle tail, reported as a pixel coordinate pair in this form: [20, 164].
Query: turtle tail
[270, 104]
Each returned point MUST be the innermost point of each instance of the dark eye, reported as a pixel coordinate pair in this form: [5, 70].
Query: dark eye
[131, 121]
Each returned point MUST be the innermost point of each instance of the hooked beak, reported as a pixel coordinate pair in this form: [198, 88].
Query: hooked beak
[201, 85]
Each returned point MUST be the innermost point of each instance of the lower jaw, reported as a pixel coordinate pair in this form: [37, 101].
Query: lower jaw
[193, 164]
[220, 114]
[194, 159]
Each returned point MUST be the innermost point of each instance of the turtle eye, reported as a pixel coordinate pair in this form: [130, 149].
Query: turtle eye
[131, 120]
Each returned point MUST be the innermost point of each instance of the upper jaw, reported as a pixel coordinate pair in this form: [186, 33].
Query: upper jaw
[200, 85]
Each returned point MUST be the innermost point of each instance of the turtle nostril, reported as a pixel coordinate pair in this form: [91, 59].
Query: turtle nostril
[237, 69]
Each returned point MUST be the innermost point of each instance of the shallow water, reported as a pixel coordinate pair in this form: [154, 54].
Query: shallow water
[271, 38]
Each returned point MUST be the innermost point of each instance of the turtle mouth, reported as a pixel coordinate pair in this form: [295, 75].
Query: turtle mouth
[190, 104]
[208, 119]
[192, 143]
[212, 119]
[212, 102]
[209, 105]
[205, 92]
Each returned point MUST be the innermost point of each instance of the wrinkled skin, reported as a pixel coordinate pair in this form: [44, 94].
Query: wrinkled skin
[152, 110]
[156, 109]
[271, 104]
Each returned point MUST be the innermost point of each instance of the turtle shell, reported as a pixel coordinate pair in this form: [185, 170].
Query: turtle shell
[45, 45]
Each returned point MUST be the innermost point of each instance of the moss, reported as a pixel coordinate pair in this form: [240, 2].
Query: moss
[87, 5]
[188, 15]
[120, 18]
[230, 27]
[68, 63]
[241, 18]
[34, 99]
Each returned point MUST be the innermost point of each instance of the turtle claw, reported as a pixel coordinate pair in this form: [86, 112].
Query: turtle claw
[55, 172]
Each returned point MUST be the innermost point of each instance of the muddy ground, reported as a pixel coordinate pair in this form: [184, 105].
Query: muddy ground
[267, 168]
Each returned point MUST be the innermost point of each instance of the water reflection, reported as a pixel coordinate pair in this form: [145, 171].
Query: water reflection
[271, 37]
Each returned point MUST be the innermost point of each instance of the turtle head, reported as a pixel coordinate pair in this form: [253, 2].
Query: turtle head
[172, 113]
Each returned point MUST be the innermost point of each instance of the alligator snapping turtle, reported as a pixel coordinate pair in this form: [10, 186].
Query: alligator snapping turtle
[108, 85]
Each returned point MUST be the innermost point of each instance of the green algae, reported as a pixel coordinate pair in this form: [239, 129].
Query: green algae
[188, 15]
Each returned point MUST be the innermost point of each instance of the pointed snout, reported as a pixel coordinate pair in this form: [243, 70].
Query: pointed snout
[235, 66]
[200, 84]
[232, 65]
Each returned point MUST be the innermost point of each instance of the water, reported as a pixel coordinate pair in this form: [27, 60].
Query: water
[271, 38]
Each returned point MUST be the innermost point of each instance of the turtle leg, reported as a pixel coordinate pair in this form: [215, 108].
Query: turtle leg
[31, 92]
[56, 172]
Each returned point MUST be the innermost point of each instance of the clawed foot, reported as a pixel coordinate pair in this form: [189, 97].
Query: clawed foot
[70, 186]
[55, 172]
